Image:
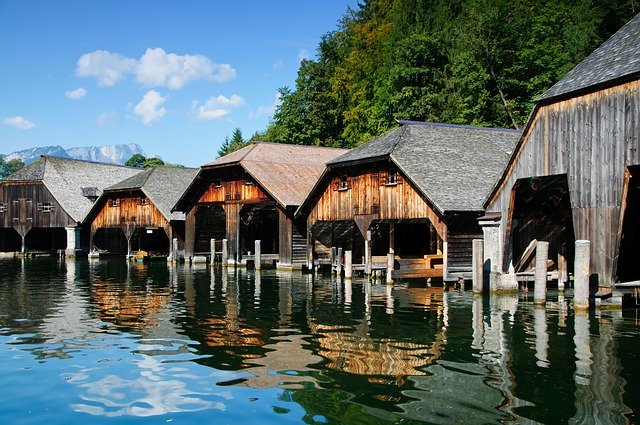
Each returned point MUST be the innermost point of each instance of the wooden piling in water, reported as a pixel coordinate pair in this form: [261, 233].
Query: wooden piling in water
[581, 275]
[257, 262]
[339, 263]
[478, 265]
[225, 252]
[540, 283]
[563, 271]
[390, 260]
[212, 245]
[348, 264]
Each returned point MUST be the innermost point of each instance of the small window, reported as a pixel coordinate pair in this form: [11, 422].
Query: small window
[237, 196]
[45, 207]
[114, 202]
[217, 183]
[143, 200]
[227, 196]
[389, 178]
[341, 183]
[3, 208]
[248, 182]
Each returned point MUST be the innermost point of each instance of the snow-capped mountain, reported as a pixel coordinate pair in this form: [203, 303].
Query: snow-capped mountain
[114, 154]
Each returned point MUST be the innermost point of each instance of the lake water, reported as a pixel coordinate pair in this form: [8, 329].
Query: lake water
[116, 342]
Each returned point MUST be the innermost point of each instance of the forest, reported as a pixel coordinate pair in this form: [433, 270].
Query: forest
[472, 62]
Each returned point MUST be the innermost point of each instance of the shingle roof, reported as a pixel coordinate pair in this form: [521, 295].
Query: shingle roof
[454, 166]
[162, 185]
[287, 172]
[65, 178]
[615, 59]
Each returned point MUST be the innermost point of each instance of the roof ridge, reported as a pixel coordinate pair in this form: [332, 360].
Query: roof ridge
[440, 124]
[84, 160]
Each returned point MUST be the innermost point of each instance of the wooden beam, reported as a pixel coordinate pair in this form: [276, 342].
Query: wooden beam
[526, 256]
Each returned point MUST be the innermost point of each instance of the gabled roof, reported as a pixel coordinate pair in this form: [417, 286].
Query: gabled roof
[65, 178]
[616, 59]
[162, 185]
[287, 172]
[453, 166]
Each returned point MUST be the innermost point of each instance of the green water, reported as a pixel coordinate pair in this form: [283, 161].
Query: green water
[116, 342]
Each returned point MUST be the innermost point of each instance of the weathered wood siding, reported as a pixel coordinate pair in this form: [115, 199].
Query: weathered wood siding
[367, 193]
[21, 207]
[593, 139]
[233, 191]
[129, 208]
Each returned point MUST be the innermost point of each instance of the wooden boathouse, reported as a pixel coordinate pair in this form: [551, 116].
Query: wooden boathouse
[414, 192]
[43, 205]
[135, 214]
[575, 174]
[252, 194]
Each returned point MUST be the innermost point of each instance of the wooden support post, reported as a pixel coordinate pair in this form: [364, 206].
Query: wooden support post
[23, 249]
[257, 262]
[367, 253]
[212, 245]
[478, 265]
[339, 264]
[310, 244]
[390, 261]
[392, 238]
[433, 239]
[225, 253]
[332, 259]
[174, 250]
[348, 264]
[581, 275]
[540, 285]
[563, 271]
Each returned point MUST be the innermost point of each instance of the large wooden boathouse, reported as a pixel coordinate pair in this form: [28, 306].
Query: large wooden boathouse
[43, 205]
[575, 174]
[135, 214]
[415, 192]
[250, 195]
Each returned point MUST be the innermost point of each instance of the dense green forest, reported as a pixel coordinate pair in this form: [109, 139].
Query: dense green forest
[475, 62]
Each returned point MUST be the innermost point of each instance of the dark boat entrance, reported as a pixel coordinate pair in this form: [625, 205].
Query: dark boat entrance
[10, 240]
[210, 224]
[542, 211]
[45, 239]
[112, 240]
[259, 222]
[628, 269]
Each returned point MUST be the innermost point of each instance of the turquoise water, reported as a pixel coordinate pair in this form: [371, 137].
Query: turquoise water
[117, 342]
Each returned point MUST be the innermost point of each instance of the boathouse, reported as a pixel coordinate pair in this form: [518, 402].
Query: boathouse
[414, 192]
[135, 214]
[252, 194]
[575, 174]
[43, 205]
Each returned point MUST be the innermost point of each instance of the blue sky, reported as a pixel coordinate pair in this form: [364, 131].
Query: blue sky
[175, 77]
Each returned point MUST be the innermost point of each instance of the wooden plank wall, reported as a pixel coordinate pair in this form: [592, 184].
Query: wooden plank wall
[129, 209]
[233, 191]
[593, 139]
[366, 193]
[20, 205]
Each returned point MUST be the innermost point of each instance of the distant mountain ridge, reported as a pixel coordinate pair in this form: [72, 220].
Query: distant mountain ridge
[113, 154]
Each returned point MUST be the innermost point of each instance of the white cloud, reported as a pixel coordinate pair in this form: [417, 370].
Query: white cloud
[76, 94]
[150, 108]
[155, 68]
[303, 54]
[108, 68]
[217, 107]
[278, 65]
[19, 122]
[106, 118]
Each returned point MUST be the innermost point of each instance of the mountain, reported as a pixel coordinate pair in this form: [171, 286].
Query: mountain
[29, 155]
[114, 154]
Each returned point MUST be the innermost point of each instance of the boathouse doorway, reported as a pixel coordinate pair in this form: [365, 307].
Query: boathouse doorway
[259, 222]
[542, 211]
[10, 240]
[340, 234]
[153, 240]
[46, 239]
[628, 269]
[109, 240]
[211, 223]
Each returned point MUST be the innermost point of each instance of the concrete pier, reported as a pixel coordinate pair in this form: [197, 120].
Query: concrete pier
[225, 253]
[258, 256]
[540, 283]
[477, 265]
[348, 264]
[581, 275]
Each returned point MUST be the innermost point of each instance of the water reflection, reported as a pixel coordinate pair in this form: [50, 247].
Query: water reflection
[138, 340]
